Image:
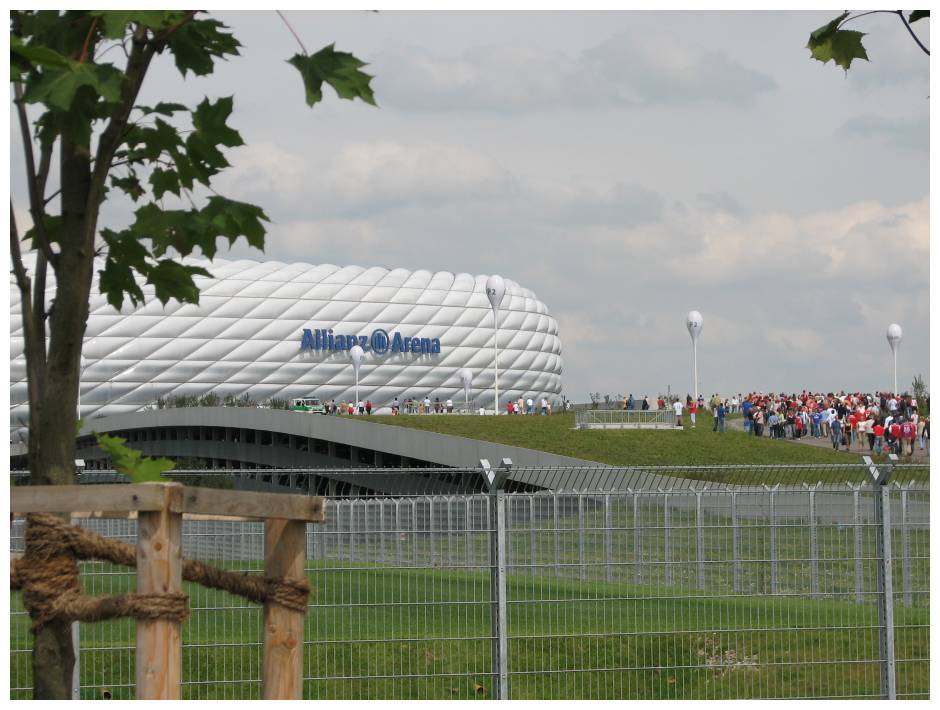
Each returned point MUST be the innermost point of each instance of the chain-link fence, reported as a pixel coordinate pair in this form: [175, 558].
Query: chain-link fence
[710, 590]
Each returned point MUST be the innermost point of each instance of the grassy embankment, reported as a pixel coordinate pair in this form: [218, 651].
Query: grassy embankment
[628, 447]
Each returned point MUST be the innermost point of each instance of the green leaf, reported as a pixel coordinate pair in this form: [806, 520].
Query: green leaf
[163, 108]
[131, 462]
[53, 225]
[232, 219]
[116, 21]
[130, 185]
[823, 33]
[340, 70]
[197, 43]
[164, 181]
[917, 15]
[57, 88]
[171, 279]
[38, 56]
[829, 43]
[209, 119]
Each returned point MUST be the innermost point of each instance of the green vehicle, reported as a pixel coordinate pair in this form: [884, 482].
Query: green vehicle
[311, 405]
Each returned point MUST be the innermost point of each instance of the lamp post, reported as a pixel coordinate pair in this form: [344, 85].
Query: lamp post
[466, 377]
[495, 290]
[694, 323]
[355, 354]
[894, 336]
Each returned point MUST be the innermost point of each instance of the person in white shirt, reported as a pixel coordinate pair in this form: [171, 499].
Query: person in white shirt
[528, 405]
[544, 405]
[677, 406]
[450, 406]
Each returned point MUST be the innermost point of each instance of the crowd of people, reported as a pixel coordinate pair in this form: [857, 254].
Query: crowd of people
[416, 405]
[881, 422]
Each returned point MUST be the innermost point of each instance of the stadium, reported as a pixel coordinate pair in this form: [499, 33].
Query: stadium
[270, 330]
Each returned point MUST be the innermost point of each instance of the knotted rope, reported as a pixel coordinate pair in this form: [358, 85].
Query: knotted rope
[48, 576]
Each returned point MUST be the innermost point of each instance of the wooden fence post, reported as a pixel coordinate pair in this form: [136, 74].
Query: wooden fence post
[159, 570]
[282, 668]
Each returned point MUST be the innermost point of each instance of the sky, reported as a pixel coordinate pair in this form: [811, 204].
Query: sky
[626, 166]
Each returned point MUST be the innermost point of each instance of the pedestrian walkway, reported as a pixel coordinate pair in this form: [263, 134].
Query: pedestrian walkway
[824, 442]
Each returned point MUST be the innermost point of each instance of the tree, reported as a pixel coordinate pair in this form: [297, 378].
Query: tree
[833, 43]
[64, 65]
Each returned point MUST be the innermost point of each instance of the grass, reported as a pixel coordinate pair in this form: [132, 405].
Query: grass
[627, 447]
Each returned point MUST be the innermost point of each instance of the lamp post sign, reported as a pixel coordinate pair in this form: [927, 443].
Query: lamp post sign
[694, 323]
[466, 378]
[495, 290]
[894, 336]
[355, 354]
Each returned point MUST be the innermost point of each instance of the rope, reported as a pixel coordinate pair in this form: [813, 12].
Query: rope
[48, 576]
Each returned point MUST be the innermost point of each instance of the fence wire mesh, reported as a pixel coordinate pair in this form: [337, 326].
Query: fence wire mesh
[707, 592]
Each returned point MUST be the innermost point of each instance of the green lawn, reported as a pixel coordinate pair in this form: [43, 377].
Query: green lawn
[628, 447]
[409, 631]
[377, 632]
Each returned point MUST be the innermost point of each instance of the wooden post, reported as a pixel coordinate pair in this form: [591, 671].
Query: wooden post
[159, 570]
[282, 668]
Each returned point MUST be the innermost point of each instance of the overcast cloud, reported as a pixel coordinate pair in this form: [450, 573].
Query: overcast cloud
[627, 167]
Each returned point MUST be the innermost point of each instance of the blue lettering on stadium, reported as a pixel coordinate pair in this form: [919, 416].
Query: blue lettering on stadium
[380, 342]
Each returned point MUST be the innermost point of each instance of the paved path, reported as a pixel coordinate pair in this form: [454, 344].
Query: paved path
[918, 456]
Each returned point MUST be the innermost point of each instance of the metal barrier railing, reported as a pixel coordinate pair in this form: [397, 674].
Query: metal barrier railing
[711, 591]
[624, 419]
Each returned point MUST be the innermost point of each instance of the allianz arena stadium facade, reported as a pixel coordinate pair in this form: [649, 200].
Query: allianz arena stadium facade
[274, 330]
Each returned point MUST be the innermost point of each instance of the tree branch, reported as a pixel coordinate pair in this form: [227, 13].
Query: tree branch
[920, 44]
[35, 198]
[280, 14]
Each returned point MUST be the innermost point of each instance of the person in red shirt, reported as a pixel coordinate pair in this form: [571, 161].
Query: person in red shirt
[693, 408]
[879, 431]
[895, 431]
[908, 432]
[509, 407]
[853, 433]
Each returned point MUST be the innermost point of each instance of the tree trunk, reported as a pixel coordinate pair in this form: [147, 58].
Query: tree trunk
[52, 447]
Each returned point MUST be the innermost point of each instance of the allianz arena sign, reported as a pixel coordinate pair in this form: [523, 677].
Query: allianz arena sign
[379, 342]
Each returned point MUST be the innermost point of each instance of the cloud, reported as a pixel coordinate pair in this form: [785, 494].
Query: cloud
[625, 70]
[913, 134]
[661, 69]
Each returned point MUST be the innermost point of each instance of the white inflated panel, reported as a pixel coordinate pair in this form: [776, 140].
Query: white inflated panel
[245, 335]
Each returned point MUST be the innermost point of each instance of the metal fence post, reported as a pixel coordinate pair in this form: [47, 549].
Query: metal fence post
[533, 549]
[432, 532]
[885, 586]
[667, 543]
[700, 539]
[451, 540]
[468, 531]
[774, 566]
[555, 517]
[498, 610]
[813, 545]
[735, 545]
[77, 668]
[637, 567]
[905, 549]
[582, 562]
[382, 531]
[399, 533]
[608, 537]
[857, 520]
